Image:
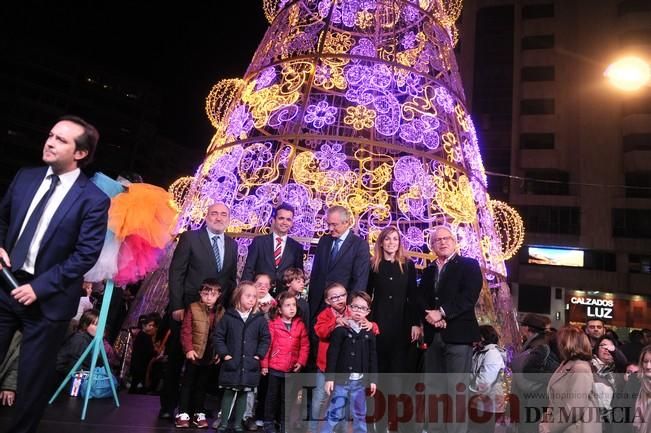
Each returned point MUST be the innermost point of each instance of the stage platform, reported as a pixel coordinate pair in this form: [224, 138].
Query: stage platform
[136, 414]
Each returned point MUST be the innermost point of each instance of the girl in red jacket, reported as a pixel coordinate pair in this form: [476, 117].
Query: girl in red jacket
[287, 354]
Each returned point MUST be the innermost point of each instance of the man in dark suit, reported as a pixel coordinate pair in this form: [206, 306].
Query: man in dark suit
[52, 227]
[449, 288]
[204, 253]
[341, 257]
[274, 253]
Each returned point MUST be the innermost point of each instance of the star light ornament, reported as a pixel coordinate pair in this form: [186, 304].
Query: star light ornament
[357, 103]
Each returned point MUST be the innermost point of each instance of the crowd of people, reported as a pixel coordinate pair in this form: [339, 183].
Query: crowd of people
[357, 324]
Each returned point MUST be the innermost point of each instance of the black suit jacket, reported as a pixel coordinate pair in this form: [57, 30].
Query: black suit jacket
[193, 262]
[457, 294]
[71, 244]
[260, 259]
[350, 268]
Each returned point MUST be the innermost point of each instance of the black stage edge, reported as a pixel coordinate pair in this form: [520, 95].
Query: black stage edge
[136, 414]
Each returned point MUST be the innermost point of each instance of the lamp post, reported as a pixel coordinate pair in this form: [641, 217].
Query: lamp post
[629, 73]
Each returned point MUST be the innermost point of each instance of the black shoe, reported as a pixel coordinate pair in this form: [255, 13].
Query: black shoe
[249, 424]
[164, 414]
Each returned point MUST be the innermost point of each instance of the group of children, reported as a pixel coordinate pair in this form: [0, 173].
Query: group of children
[259, 341]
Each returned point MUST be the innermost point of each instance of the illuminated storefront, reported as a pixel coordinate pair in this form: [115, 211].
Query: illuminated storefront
[615, 310]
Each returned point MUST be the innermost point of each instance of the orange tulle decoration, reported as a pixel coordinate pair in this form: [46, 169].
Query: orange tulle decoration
[143, 210]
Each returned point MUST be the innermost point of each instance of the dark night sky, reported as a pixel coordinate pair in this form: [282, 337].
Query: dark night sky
[181, 49]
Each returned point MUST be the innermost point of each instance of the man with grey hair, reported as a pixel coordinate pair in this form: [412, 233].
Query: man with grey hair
[341, 257]
[450, 288]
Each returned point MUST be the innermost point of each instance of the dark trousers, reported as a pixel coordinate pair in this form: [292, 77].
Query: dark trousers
[261, 398]
[175, 356]
[193, 388]
[42, 339]
[275, 401]
[446, 366]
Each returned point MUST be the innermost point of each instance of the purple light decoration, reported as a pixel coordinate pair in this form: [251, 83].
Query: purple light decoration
[409, 40]
[240, 122]
[266, 77]
[365, 48]
[444, 99]
[331, 157]
[320, 114]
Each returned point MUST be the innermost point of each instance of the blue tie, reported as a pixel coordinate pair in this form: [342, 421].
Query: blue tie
[218, 256]
[335, 250]
[21, 248]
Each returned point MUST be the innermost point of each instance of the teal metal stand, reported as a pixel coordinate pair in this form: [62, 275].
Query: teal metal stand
[97, 347]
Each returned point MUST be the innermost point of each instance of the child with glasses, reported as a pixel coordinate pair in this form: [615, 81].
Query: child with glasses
[351, 365]
[335, 315]
[198, 322]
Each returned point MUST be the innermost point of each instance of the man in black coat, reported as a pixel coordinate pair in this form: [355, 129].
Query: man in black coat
[276, 252]
[450, 288]
[204, 253]
[341, 257]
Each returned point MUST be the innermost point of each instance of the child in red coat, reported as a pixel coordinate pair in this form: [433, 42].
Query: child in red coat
[288, 353]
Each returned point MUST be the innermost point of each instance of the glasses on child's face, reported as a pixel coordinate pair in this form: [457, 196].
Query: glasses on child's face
[360, 308]
[210, 292]
[335, 298]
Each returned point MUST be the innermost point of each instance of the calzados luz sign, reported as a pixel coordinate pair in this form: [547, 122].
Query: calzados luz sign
[598, 308]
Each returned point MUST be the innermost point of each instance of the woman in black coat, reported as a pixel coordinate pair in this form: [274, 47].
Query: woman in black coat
[392, 284]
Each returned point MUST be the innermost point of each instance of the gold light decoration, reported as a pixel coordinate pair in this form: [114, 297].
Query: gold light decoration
[220, 98]
[179, 190]
[509, 226]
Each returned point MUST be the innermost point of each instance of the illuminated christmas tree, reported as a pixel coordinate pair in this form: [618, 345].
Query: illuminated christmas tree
[356, 103]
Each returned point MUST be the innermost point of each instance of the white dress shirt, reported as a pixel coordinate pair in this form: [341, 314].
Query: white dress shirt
[66, 181]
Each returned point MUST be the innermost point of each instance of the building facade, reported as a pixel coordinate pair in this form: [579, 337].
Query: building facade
[568, 150]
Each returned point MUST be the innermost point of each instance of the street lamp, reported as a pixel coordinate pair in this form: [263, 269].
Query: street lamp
[629, 73]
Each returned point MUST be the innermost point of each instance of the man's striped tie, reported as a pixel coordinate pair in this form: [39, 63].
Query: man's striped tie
[278, 252]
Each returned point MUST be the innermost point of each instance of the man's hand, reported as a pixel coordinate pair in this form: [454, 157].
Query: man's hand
[178, 315]
[24, 294]
[329, 386]
[441, 324]
[433, 316]
[416, 333]
[5, 257]
[228, 358]
[192, 355]
[373, 388]
[7, 397]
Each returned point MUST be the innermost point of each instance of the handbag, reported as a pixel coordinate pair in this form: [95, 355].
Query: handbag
[101, 386]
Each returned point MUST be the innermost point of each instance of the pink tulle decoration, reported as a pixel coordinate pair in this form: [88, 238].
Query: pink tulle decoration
[136, 258]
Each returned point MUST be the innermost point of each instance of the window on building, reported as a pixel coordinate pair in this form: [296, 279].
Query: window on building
[534, 299]
[538, 73]
[537, 106]
[639, 264]
[547, 181]
[636, 142]
[599, 260]
[543, 10]
[538, 42]
[632, 223]
[563, 220]
[639, 184]
[532, 140]
[633, 6]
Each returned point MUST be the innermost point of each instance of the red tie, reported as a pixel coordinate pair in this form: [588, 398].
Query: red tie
[278, 252]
